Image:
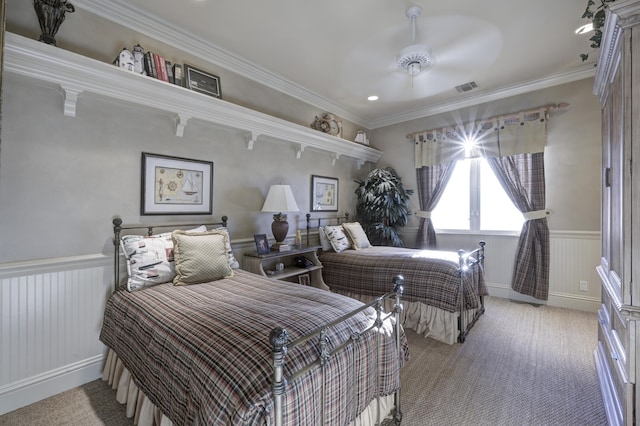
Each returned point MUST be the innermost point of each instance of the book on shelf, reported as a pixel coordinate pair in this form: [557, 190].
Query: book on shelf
[177, 74]
[281, 247]
[149, 65]
[161, 68]
[169, 72]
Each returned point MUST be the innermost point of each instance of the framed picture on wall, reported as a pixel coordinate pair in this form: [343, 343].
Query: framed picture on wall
[324, 194]
[174, 185]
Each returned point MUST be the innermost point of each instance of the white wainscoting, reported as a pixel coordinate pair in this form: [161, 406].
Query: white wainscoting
[51, 317]
[574, 257]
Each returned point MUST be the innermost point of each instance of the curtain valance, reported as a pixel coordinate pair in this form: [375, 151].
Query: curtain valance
[506, 135]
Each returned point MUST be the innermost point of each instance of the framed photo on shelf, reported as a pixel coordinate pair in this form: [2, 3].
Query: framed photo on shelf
[262, 244]
[304, 279]
[324, 194]
[174, 185]
[203, 82]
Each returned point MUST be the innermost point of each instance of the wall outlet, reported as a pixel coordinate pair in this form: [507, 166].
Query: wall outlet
[583, 286]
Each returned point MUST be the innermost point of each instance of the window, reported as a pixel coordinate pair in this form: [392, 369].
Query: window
[474, 200]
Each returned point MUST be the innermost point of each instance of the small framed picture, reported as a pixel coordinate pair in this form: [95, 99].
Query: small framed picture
[203, 82]
[324, 194]
[304, 279]
[262, 244]
[174, 185]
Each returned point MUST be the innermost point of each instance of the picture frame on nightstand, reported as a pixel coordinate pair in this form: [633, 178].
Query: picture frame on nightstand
[304, 279]
[262, 244]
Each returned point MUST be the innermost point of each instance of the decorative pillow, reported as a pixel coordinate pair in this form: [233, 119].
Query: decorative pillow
[357, 235]
[149, 259]
[200, 257]
[324, 241]
[232, 259]
[337, 238]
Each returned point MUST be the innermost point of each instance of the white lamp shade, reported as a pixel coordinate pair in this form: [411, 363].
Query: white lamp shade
[280, 199]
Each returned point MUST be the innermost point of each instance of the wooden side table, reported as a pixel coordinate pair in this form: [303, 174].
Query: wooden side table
[265, 265]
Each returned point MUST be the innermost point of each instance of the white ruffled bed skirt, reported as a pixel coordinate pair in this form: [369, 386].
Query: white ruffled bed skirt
[145, 413]
[427, 320]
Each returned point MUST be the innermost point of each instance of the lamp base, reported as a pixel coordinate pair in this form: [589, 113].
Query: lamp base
[280, 228]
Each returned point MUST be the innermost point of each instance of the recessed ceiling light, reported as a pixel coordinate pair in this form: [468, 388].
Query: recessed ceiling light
[584, 29]
[373, 98]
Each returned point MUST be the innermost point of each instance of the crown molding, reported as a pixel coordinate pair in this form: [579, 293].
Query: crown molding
[137, 20]
[585, 71]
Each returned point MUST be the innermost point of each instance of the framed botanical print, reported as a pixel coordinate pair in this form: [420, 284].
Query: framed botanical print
[324, 194]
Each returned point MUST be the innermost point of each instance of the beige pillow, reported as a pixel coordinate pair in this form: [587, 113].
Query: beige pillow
[357, 235]
[200, 257]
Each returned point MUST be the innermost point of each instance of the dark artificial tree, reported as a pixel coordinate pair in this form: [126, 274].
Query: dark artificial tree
[383, 206]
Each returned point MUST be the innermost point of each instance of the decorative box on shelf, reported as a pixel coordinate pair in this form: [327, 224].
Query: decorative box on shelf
[283, 266]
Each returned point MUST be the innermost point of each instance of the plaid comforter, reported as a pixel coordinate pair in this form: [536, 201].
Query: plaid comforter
[430, 276]
[201, 353]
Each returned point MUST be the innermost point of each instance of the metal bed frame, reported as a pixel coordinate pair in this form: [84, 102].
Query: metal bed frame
[467, 260]
[279, 338]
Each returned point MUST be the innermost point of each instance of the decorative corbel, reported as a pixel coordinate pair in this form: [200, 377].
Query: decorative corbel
[70, 94]
[334, 158]
[360, 163]
[300, 150]
[181, 123]
[252, 140]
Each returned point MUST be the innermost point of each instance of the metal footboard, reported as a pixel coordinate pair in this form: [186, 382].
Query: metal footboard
[467, 318]
[279, 340]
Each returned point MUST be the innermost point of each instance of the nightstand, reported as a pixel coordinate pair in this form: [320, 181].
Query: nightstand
[261, 263]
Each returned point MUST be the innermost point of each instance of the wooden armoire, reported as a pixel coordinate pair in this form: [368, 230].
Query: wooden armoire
[617, 85]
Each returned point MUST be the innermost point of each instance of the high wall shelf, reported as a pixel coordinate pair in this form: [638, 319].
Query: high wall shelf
[76, 74]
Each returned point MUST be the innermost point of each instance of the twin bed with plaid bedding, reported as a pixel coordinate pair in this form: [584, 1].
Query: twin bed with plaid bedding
[201, 353]
[432, 278]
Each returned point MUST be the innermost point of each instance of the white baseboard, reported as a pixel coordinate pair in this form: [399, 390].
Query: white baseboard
[36, 388]
[557, 300]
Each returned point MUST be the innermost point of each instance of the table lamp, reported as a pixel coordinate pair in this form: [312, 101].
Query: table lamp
[280, 199]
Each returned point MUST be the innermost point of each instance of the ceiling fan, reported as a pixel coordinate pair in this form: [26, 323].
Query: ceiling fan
[442, 52]
[415, 58]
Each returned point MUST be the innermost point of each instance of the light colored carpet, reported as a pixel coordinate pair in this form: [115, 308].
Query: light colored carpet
[520, 365]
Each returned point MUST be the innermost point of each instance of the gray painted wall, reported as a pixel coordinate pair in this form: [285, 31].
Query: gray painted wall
[62, 179]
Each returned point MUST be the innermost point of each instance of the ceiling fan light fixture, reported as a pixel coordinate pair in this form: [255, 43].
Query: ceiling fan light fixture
[415, 58]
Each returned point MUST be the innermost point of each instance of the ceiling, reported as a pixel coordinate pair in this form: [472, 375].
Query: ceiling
[335, 53]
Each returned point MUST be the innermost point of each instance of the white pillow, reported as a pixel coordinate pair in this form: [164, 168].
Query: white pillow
[324, 241]
[227, 241]
[150, 259]
[337, 238]
[357, 235]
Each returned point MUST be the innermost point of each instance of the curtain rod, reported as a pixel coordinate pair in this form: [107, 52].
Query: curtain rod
[549, 108]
